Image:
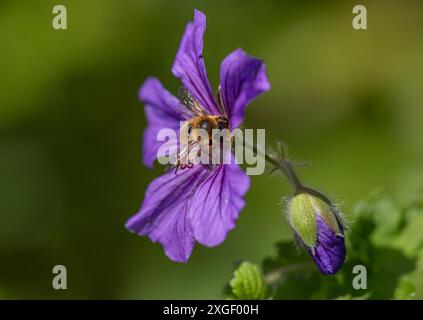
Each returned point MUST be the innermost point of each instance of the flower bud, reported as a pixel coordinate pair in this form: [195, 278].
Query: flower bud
[318, 226]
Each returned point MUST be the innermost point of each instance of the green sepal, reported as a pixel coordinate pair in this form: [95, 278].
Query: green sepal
[302, 217]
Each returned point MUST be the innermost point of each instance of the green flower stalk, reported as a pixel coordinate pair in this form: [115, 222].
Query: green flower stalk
[316, 223]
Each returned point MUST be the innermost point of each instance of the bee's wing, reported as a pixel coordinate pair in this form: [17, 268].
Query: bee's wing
[220, 103]
[186, 98]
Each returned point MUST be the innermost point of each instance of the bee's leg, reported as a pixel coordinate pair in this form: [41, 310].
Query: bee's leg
[209, 166]
[210, 157]
[180, 166]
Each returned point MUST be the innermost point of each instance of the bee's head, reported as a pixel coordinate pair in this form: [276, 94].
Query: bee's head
[206, 125]
[222, 123]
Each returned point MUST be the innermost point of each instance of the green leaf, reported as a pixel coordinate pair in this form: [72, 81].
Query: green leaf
[410, 239]
[286, 253]
[248, 283]
[292, 275]
[415, 278]
[378, 223]
[384, 216]
[385, 238]
[350, 297]
[405, 290]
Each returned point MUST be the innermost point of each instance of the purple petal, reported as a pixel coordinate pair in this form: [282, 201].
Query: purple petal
[162, 110]
[164, 217]
[329, 253]
[217, 204]
[189, 64]
[242, 78]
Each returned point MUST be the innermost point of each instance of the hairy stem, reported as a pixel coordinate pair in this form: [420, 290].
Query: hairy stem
[276, 274]
[284, 165]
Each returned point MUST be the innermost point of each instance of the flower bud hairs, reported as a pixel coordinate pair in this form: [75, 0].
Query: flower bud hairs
[318, 226]
[315, 221]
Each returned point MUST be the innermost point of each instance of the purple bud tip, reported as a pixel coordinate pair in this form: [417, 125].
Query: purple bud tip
[329, 252]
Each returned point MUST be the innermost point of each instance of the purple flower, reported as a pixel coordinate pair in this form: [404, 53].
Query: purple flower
[201, 203]
[318, 226]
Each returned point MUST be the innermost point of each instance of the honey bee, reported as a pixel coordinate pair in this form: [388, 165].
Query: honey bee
[206, 123]
[191, 134]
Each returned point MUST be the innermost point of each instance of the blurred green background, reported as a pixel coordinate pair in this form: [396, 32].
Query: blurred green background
[350, 102]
